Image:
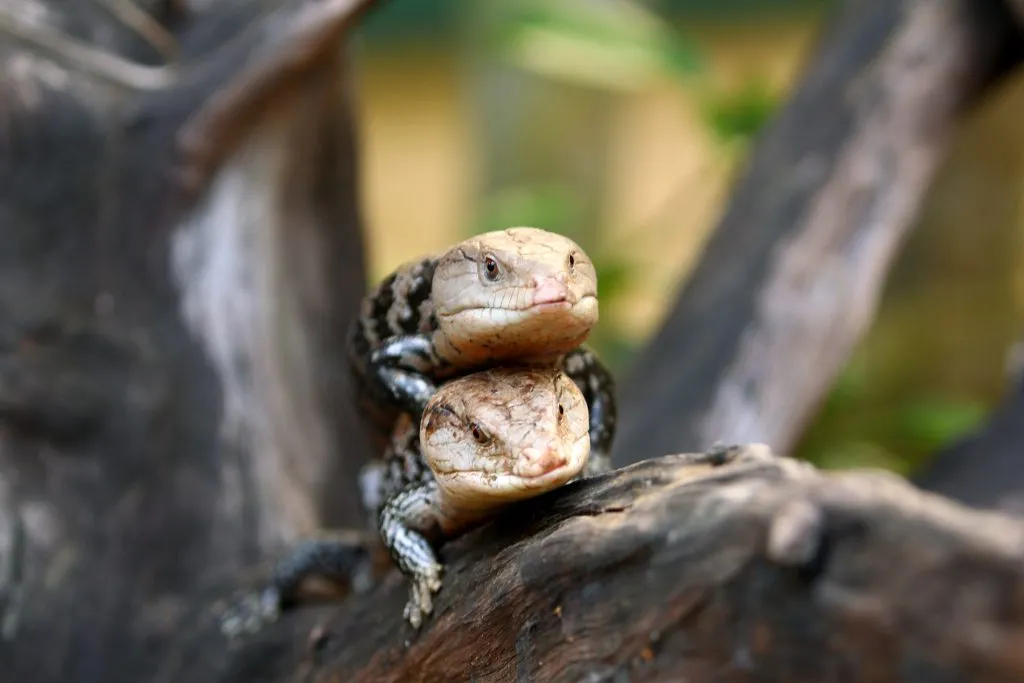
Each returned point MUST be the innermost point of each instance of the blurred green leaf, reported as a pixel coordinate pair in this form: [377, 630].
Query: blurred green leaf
[738, 116]
[614, 275]
[609, 43]
[933, 421]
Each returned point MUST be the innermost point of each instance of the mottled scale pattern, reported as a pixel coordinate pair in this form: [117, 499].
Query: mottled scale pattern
[407, 520]
[598, 387]
[402, 464]
[399, 305]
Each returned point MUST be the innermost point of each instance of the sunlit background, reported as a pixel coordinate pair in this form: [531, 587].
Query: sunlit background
[623, 125]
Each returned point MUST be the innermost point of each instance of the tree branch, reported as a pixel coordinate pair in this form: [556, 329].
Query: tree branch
[789, 281]
[733, 566]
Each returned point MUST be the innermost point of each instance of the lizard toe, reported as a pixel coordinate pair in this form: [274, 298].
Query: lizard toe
[433, 579]
[413, 614]
[251, 613]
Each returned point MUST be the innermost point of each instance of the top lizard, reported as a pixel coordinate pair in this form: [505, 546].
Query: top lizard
[521, 295]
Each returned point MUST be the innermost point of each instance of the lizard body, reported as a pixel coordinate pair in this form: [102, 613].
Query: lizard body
[430, 335]
[485, 440]
[521, 296]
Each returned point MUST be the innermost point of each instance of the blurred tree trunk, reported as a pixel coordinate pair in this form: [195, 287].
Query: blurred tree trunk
[789, 281]
[934, 359]
[181, 258]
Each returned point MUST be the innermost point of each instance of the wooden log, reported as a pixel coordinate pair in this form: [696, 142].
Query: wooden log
[730, 566]
[790, 279]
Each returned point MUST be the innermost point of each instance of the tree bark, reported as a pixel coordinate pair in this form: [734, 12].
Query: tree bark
[729, 566]
[173, 406]
[790, 279]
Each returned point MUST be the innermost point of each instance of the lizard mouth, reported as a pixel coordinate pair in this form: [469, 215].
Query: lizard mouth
[530, 473]
[584, 302]
[481, 486]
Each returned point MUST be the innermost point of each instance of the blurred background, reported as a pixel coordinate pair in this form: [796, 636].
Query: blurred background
[623, 126]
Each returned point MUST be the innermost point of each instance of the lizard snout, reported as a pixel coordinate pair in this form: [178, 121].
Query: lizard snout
[536, 462]
[549, 290]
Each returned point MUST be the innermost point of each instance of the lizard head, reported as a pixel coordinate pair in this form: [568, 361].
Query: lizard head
[515, 293]
[502, 435]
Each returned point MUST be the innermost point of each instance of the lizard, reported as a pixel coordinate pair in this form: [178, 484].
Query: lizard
[485, 440]
[519, 295]
[522, 295]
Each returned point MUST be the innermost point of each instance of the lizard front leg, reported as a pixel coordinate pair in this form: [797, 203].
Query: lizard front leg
[402, 368]
[598, 387]
[403, 522]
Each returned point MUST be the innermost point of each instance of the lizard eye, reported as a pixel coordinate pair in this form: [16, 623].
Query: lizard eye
[572, 260]
[561, 410]
[491, 269]
[478, 433]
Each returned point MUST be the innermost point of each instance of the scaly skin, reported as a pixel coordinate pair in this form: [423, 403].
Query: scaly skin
[521, 296]
[486, 440]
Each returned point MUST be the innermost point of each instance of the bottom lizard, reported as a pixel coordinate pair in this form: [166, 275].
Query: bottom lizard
[485, 440]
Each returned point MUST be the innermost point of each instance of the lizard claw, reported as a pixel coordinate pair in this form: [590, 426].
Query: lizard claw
[432, 580]
[421, 601]
[251, 613]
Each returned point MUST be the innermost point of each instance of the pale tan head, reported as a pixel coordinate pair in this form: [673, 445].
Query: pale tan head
[515, 293]
[503, 435]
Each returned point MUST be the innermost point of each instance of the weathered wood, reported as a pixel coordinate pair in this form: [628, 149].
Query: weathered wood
[789, 281]
[173, 406]
[734, 566]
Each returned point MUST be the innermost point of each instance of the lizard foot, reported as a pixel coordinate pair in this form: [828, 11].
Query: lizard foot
[334, 555]
[421, 602]
[251, 612]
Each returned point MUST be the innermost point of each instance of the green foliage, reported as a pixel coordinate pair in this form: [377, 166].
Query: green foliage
[931, 421]
[738, 116]
[610, 44]
[865, 424]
